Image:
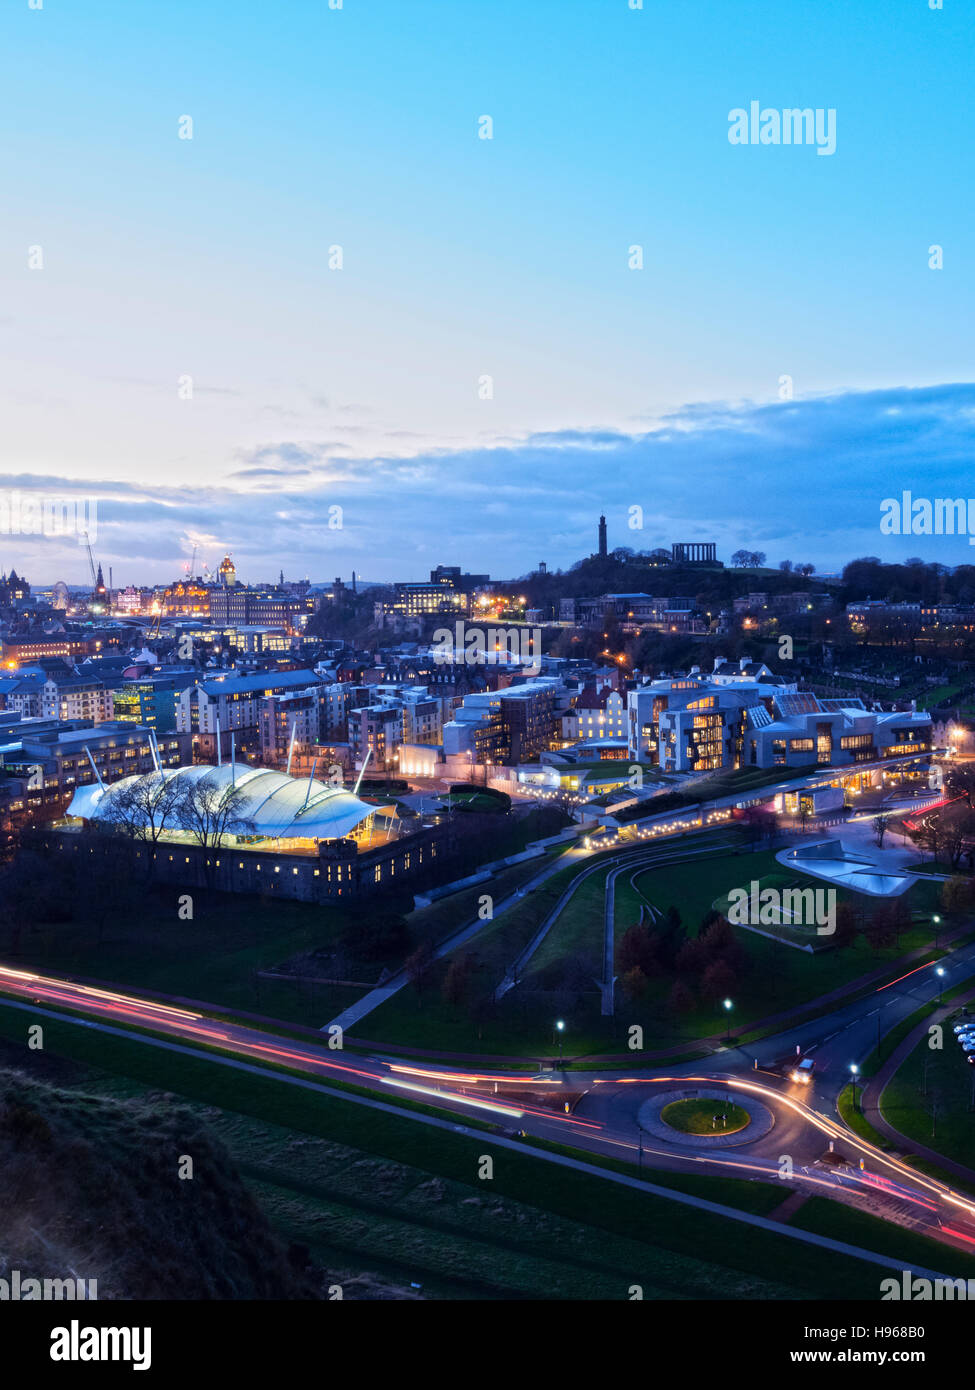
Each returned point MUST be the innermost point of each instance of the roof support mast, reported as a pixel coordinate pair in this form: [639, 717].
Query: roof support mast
[291, 746]
[355, 790]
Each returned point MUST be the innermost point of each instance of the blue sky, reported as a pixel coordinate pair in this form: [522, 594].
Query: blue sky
[464, 258]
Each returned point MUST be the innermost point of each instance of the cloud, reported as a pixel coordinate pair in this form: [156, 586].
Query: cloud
[800, 479]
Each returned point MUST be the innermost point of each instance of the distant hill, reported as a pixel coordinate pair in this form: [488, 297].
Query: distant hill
[89, 1189]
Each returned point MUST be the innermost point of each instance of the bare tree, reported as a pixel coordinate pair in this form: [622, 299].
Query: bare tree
[880, 824]
[144, 809]
[210, 811]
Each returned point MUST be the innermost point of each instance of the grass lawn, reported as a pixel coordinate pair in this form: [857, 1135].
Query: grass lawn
[698, 1116]
[930, 1099]
[212, 958]
[376, 1194]
[778, 977]
[841, 1222]
[216, 956]
[473, 801]
[578, 929]
[856, 1119]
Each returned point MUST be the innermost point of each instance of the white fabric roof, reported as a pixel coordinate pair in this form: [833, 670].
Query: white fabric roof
[273, 801]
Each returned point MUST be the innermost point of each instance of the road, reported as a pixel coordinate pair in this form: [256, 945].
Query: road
[597, 1111]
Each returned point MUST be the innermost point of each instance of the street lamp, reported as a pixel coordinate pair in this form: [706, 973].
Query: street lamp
[855, 1070]
[560, 1029]
[940, 972]
[937, 928]
[728, 1006]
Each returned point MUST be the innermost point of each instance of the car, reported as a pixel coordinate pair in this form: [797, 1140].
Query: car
[968, 1047]
[803, 1071]
[965, 1026]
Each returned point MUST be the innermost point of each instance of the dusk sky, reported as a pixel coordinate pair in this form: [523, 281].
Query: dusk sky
[464, 258]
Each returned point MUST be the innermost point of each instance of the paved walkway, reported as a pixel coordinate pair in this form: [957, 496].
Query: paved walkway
[873, 1092]
[395, 983]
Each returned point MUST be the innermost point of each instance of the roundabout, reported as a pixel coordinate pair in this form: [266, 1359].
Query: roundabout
[704, 1117]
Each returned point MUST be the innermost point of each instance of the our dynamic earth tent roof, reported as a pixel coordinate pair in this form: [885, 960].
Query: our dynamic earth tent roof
[278, 806]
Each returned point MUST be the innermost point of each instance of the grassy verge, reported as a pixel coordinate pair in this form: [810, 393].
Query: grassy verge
[665, 1234]
[840, 1222]
[930, 1099]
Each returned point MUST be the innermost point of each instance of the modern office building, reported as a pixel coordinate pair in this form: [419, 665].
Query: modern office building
[229, 704]
[52, 759]
[449, 594]
[702, 724]
[506, 726]
[152, 700]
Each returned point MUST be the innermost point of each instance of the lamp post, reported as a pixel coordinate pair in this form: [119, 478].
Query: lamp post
[728, 1006]
[855, 1071]
[937, 929]
[559, 1030]
[940, 972]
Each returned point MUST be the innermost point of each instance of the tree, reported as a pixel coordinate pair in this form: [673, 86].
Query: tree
[637, 950]
[741, 559]
[902, 916]
[956, 893]
[144, 809]
[671, 937]
[880, 824]
[719, 979]
[846, 925]
[418, 967]
[721, 943]
[954, 837]
[880, 929]
[960, 781]
[692, 959]
[680, 999]
[634, 983]
[930, 836]
[457, 981]
[756, 559]
[210, 811]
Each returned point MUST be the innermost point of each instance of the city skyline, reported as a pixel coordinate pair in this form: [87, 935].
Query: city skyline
[937, 420]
